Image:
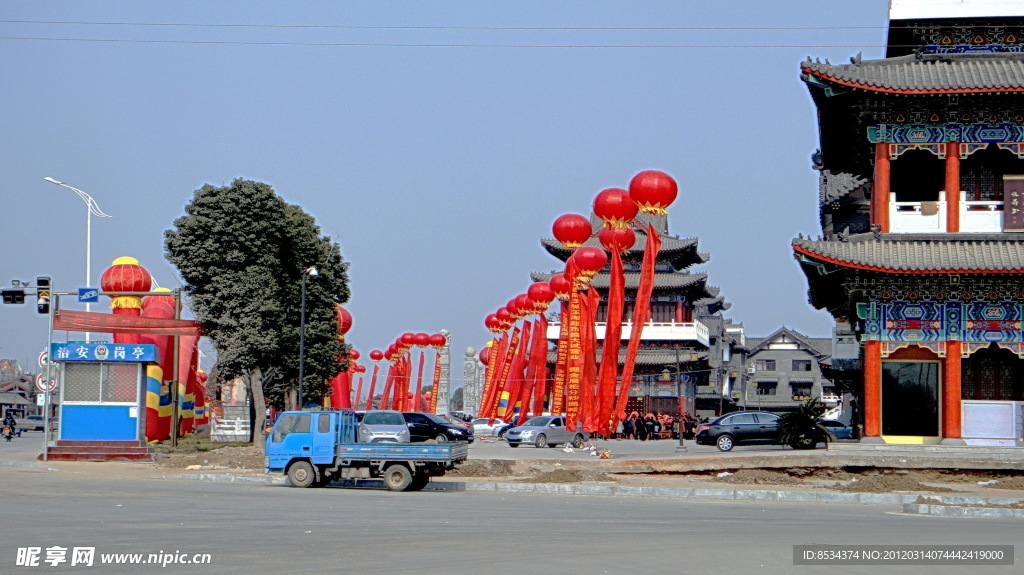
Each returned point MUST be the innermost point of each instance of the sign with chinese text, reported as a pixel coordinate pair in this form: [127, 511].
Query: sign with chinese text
[1013, 203]
[113, 352]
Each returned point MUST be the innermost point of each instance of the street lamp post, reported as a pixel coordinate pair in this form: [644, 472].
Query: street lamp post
[309, 272]
[92, 209]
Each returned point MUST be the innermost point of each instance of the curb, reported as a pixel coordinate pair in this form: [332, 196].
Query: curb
[944, 505]
[27, 465]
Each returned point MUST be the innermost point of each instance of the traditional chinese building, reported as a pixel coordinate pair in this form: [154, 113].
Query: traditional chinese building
[921, 261]
[676, 343]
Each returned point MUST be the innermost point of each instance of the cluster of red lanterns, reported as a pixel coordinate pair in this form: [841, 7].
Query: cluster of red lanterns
[534, 301]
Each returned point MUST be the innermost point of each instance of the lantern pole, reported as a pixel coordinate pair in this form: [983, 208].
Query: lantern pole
[308, 272]
[92, 208]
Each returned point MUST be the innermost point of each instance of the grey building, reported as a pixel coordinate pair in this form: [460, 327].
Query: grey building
[783, 370]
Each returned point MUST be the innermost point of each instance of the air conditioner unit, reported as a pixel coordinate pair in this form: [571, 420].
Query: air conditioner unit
[751, 371]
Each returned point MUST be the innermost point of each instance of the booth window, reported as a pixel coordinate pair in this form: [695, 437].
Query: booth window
[101, 382]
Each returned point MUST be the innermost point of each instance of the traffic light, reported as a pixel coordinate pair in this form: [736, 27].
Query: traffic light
[43, 293]
[13, 295]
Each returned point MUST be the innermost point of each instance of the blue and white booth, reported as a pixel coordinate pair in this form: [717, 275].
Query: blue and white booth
[103, 390]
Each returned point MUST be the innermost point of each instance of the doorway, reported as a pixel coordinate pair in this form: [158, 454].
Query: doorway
[910, 398]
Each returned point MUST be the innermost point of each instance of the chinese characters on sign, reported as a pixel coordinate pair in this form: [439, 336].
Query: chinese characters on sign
[1013, 203]
[136, 352]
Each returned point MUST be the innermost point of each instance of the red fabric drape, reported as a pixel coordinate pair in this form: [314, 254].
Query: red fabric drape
[359, 390]
[389, 381]
[640, 310]
[373, 386]
[493, 369]
[540, 378]
[70, 320]
[419, 382]
[538, 355]
[610, 354]
[588, 343]
[515, 378]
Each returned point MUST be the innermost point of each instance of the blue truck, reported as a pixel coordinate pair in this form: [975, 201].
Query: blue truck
[314, 448]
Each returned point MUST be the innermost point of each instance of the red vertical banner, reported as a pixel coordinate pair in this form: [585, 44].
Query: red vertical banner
[436, 383]
[561, 355]
[515, 379]
[574, 361]
[407, 385]
[506, 367]
[491, 377]
[539, 361]
[419, 383]
[640, 311]
[373, 386]
[588, 345]
[359, 391]
[610, 352]
[389, 380]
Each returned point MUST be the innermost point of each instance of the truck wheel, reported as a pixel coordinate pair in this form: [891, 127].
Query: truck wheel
[397, 478]
[419, 481]
[301, 474]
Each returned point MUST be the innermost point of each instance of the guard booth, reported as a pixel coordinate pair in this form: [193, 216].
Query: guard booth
[103, 390]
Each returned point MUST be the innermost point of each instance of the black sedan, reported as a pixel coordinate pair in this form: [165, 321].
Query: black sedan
[739, 427]
[427, 426]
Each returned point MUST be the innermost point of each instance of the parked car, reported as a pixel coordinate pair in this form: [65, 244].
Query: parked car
[739, 427]
[482, 427]
[545, 431]
[837, 430]
[383, 425]
[32, 423]
[427, 426]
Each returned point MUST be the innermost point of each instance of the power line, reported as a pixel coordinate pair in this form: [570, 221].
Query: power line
[478, 28]
[438, 45]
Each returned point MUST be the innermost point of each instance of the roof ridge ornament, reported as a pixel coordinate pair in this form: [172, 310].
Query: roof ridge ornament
[855, 60]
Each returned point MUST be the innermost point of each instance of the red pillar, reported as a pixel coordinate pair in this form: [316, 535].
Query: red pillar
[953, 187]
[880, 194]
[872, 388]
[679, 312]
[951, 391]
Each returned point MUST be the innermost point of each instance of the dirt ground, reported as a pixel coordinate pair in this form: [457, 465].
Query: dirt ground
[249, 460]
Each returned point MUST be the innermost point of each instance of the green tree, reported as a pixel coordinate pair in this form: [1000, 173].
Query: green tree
[802, 429]
[241, 251]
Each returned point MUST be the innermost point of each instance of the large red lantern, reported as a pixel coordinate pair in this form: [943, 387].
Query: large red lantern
[376, 355]
[353, 354]
[571, 229]
[617, 239]
[653, 191]
[392, 352]
[505, 317]
[344, 320]
[513, 308]
[422, 340]
[359, 368]
[406, 341]
[492, 323]
[438, 341]
[561, 286]
[590, 260]
[615, 207]
[541, 294]
[525, 305]
[485, 354]
[126, 275]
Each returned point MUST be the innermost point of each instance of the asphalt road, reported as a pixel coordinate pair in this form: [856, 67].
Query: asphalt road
[255, 528]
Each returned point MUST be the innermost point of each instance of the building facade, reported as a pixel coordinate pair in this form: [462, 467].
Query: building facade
[921, 198]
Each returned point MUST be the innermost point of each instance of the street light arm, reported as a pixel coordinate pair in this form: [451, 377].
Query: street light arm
[94, 208]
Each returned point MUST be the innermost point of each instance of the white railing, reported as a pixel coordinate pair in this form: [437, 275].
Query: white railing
[830, 398]
[679, 331]
[980, 216]
[917, 217]
[229, 430]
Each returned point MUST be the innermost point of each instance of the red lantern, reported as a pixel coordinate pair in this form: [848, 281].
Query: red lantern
[125, 274]
[617, 239]
[485, 355]
[422, 340]
[513, 308]
[406, 341]
[653, 191]
[561, 286]
[525, 305]
[344, 320]
[505, 317]
[590, 260]
[572, 230]
[391, 352]
[359, 368]
[353, 355]
[376, 355]
[541, 294]
[492, 323]
[438, 341]
[615, 208]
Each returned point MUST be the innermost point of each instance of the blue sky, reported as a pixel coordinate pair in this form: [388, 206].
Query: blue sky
[436, 141]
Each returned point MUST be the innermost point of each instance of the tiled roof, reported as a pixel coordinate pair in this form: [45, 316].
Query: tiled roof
[680, 252]
[927, 74]
[651, 356]
[661, 280]
[924, 253]
[832, 187]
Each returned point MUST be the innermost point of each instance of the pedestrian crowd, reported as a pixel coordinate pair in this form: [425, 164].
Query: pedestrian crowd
[654, 426]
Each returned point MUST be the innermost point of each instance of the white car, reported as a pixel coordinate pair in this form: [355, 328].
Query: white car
[481, 426]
